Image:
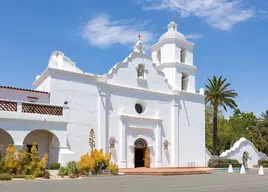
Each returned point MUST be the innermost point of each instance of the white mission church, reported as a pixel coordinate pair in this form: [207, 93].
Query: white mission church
[144, 107]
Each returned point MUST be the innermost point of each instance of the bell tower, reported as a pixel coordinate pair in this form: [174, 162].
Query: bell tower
[173, 54]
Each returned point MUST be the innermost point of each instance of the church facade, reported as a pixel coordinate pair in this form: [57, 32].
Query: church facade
[145, 111]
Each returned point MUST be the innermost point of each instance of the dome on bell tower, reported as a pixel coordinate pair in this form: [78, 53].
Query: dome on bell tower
[172, 33]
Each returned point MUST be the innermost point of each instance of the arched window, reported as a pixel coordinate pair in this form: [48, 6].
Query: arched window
[183, 55]
[184, 81]
[140, 71]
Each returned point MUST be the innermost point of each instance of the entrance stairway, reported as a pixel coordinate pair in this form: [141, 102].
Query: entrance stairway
[164, 171]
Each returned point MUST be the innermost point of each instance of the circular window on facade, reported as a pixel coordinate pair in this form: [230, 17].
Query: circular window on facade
[139, 108]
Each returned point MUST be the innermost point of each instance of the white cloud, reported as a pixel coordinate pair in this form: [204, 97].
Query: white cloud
[194, 36]
[102, 32]
[222, 14]
[262, 14]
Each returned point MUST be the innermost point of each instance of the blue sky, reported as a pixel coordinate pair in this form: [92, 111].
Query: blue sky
[230, 35]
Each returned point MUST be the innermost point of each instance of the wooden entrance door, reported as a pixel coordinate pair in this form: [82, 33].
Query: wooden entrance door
[147, 157]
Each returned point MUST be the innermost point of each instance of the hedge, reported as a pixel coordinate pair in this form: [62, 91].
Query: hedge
[54, 166]
[263, 162]
[5, 176]
[223, 163]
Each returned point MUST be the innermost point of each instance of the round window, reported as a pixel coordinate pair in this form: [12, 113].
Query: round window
[138, 108]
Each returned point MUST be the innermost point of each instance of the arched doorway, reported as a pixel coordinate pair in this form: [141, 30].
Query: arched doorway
[141, 153]
[5, 141]
[46, 142]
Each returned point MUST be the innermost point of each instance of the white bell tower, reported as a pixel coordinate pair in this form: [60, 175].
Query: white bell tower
[173, 54]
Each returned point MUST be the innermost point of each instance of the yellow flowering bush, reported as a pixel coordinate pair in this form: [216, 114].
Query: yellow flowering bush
[86, 164]
[24, 162]
[90, 162]
[113, 168]
[9, 159]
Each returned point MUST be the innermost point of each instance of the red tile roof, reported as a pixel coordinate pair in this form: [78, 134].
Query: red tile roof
[21, 89]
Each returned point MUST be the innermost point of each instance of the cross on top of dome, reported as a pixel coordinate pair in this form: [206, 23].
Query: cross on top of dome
[172, 32]
[172, 25]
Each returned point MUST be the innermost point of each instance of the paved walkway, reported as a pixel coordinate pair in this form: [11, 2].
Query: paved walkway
[219, 181]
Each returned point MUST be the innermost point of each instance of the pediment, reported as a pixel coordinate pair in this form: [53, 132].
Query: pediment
[125, 73]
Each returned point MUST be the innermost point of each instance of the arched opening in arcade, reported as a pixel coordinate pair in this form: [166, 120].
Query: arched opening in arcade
[5, 141]
[46, 142]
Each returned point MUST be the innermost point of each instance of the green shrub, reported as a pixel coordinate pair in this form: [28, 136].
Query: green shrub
[5, 176]
[63, 171]
[72, 167]
[47, 175]
[28, 177]
[54, 166]
[19, 176]
[223, 163]
[263, 162]
[226, 165]
[39, 173]
[2, 165]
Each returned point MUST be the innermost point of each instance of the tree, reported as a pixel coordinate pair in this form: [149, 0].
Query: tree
[209, 127]
[249, 118]
[264, 116]
[259, 136]
[1, 151]
[218, 95]
[92, 139]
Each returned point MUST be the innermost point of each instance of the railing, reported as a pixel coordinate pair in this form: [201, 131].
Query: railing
[30, 108]
[42, 109]
[8, 106]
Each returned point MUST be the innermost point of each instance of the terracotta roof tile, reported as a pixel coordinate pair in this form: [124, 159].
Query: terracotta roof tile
[21, 89]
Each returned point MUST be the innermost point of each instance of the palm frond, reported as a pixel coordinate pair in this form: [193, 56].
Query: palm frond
[218, 93]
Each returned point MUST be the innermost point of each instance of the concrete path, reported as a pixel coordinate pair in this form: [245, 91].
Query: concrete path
[218, 181]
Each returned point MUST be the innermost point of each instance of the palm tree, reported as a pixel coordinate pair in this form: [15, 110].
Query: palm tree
[264, 116]
[218, 95]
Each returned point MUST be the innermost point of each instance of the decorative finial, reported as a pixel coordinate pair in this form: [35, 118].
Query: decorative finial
[139, 36]
[173, 18]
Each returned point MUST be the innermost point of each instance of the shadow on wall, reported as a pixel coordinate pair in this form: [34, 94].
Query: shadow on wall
[114, 155]
[5, 140]
[167, 156]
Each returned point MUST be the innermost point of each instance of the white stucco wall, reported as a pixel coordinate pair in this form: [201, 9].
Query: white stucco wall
[20, 95]
[82, 95]
[191, 130]
[45, 85]
[241, 146]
